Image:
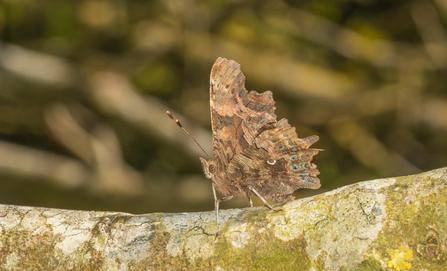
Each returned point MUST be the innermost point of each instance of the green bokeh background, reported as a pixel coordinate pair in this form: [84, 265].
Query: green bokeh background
[84, 86]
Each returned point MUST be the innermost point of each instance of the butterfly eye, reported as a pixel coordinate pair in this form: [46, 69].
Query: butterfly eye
[295, 167]
[294, 157]
[281, 147]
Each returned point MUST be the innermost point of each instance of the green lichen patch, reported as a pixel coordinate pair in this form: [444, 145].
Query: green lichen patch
[297, 217]
[257, 215]
[416, 208]
[370, 264]
[23, 250]
[264, 251]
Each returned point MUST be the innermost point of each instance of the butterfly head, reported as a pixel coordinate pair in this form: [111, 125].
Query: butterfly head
[209, 167]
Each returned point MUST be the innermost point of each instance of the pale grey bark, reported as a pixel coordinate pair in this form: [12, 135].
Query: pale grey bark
[370, 225]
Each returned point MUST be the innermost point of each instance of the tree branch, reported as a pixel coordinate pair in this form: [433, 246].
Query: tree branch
[396, 223]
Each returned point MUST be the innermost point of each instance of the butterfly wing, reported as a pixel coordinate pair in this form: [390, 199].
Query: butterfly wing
[251, 148]
[236, 115]
[276, 164]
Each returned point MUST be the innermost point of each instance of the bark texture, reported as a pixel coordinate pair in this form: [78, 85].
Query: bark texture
[387, 224]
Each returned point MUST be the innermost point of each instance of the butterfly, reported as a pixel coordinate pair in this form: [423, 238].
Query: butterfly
[255, 155]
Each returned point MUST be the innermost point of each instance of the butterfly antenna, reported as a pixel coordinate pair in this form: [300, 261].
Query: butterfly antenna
[181, 126]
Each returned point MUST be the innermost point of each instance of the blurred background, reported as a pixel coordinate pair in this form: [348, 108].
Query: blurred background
[84, 87]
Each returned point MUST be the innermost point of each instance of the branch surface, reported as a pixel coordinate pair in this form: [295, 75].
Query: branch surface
[386, 224]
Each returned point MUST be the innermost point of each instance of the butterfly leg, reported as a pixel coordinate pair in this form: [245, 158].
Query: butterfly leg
[251, 202]
[266, 203]
[216, 208]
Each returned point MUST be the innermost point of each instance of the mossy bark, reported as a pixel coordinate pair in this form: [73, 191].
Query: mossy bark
[387, 224]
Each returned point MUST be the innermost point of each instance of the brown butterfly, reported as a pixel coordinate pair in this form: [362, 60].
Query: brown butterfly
[256, 155]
